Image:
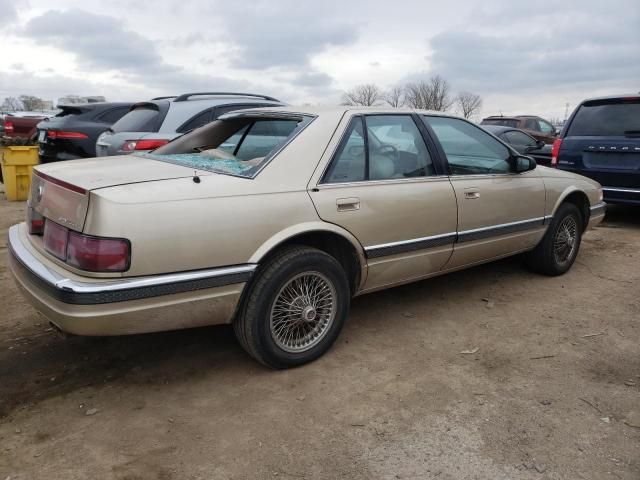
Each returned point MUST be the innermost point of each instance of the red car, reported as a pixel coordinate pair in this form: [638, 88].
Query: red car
[23, 125]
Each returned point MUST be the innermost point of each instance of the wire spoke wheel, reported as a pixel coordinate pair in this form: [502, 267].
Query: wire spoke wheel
[565, 240]
[303, 311]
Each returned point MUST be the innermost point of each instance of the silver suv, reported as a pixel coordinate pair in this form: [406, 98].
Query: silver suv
[150, 125]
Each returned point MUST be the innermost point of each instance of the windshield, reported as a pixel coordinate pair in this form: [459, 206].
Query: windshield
[238, 146]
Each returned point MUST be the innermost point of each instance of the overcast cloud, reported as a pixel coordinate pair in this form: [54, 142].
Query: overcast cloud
[522, 57]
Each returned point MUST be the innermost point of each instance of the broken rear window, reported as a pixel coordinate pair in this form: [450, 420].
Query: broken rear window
[237, 146]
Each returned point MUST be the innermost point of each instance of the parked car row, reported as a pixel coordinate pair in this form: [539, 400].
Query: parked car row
[101, 129]
[73, 132]
[522, 142]
[598, 140]
[537, 127]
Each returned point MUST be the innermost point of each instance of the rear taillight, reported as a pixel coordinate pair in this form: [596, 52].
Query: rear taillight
[8, 127]
[35, 221]
[55, 240]
[97, 254]
[62, 135]
[85, 252]
[151, 144]
[555, 150]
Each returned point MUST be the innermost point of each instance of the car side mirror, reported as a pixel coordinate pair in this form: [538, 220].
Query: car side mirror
[540, 144]
[523, 163]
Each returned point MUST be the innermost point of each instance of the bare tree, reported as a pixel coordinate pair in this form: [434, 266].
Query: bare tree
[31, 103]
[432, 94]
[395, 96]
[366, 95]
[468, 103]
[11, 104]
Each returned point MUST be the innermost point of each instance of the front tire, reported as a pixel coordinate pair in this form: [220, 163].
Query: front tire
[559, 247]
[294, 309]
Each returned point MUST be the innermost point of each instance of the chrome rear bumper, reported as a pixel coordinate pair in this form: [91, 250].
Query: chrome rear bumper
[125, 305]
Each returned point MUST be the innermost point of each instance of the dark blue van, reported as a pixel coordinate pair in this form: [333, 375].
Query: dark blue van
[601, 140]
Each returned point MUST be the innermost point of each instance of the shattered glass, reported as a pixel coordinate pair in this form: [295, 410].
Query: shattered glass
[209, 163]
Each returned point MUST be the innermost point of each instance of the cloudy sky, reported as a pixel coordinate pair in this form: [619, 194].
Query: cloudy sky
[521, 56]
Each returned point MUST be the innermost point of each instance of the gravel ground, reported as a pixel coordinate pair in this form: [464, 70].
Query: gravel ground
[551, 390]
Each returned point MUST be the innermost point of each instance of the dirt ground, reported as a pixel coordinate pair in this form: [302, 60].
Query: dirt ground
[552, 390]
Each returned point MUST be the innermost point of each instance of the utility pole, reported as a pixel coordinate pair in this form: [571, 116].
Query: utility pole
[566, 111]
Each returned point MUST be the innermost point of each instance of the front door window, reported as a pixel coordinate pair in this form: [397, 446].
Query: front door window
[469, 150]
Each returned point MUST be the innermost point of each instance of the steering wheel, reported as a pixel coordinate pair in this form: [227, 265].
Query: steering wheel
[389, 151]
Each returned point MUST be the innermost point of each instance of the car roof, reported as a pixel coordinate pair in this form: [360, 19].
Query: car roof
[612, 97]
[95, 105]
[181, 111]
[497, 129]
[335, 110]
[499, 117]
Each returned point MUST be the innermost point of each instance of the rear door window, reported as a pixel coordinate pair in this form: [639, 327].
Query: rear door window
[349, 162]
[545, 127]
[392, 147]
[532, 124]
[199, 120]
[141, 119]
[396, 148]
[519, 139]
[607, 118]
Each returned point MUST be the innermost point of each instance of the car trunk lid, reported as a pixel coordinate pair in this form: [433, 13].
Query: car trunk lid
[60, 191]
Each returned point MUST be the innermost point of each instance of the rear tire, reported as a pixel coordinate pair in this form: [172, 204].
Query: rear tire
[294, 308]
[559, 247]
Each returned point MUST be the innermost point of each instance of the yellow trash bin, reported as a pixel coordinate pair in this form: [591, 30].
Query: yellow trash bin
[17, 165]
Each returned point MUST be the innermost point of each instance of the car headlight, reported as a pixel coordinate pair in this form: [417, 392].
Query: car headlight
[600, 195]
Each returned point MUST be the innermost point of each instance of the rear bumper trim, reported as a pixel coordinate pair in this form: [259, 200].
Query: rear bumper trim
[71, 291]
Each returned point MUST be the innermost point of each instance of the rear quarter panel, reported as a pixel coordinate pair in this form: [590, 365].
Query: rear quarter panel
[177, 225]
[193, 233]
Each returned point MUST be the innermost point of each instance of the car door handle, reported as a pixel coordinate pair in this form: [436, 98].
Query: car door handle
[471, 194]
[348, 204]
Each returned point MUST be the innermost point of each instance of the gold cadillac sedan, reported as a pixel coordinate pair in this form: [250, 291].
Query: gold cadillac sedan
[272, 219]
